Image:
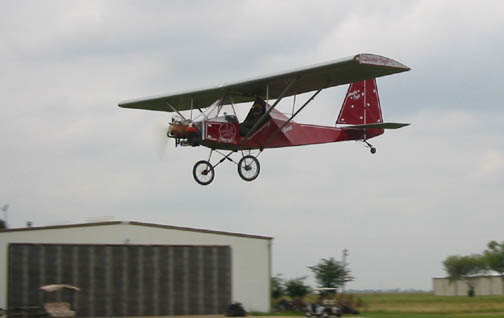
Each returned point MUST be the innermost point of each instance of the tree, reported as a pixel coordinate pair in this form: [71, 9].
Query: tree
[463, 268]
[296, 288]
[277, 287]
[494, 258]
[331, 273]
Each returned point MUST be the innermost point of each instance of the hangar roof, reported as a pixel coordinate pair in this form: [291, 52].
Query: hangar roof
[162, 226]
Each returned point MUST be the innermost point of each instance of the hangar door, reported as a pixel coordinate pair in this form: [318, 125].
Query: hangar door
[124, 280]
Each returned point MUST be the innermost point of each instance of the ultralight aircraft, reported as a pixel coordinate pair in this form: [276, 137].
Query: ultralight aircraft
[360, 117]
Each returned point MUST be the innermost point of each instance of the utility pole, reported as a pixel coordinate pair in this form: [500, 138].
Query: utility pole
[4, 209]
[343, 262]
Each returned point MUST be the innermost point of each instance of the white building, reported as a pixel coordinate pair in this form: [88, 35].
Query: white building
[483, 285]
[133, 268]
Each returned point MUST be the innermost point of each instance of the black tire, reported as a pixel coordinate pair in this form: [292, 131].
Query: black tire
[249, 168]
[203, 172]
[373, 150]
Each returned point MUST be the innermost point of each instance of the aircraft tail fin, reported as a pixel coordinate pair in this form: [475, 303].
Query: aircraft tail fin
[361, 105]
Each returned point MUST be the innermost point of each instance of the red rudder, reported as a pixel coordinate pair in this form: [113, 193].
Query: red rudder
[361, 104]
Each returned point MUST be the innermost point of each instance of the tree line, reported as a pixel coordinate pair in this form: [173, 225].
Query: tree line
[466, 267]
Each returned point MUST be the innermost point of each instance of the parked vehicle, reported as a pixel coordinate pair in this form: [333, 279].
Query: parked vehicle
[321, 310]
[330, 305]
[52, 306]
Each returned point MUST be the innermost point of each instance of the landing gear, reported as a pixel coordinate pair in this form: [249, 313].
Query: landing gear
[203, 172]
[370, 146]
[248, 168]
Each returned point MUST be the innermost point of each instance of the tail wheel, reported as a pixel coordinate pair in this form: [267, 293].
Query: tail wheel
[248, 168]
[203, 172]
[373, 150]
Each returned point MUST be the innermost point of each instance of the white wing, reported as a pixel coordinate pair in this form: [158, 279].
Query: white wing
[314, 77]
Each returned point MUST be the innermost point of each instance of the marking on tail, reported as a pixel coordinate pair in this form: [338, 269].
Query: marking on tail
[361, 104]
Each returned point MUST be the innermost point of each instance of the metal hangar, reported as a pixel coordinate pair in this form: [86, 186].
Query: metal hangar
[136, 269]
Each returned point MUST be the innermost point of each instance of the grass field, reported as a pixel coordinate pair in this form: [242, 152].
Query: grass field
[429, 306]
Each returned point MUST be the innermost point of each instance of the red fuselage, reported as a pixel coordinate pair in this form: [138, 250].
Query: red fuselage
[219, 133]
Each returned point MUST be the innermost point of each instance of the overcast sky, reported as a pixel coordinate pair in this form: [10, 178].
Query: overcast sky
[433, 189]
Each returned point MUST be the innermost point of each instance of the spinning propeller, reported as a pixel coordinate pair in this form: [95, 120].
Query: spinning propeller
[160, 138]
[184, 131]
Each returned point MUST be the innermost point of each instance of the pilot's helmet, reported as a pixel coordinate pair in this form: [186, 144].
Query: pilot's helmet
[257, 108]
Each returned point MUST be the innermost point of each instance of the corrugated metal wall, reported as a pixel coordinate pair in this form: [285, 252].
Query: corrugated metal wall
[483, 285]
[124, 280]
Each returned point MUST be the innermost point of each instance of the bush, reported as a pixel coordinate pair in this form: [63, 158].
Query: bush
[235, 310]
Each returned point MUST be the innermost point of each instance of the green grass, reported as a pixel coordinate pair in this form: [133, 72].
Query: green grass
[275, 314]
[423, 305]
[426, 298]
[427, 303]
[431, 315]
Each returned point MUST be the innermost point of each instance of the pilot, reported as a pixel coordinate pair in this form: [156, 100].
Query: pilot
[257, 110]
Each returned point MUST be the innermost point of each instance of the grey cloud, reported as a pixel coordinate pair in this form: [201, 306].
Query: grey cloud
[70, 154]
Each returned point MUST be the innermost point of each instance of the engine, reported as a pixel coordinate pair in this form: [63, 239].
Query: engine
[186, 133]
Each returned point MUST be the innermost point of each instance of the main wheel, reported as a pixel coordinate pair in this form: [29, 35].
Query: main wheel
[248, 168]
[203, 172]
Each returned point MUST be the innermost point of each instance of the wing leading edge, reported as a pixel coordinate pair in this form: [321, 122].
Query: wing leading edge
[310, 78]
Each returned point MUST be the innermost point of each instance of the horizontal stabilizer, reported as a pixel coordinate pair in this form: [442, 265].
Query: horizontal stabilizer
[377, 125]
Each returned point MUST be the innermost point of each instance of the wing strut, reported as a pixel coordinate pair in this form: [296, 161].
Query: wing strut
[289, 120]
[260, 120]
[175, 110]
[192, 106]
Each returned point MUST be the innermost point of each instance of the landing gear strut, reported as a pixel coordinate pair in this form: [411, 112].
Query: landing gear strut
[248, 167]
[370, 146]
